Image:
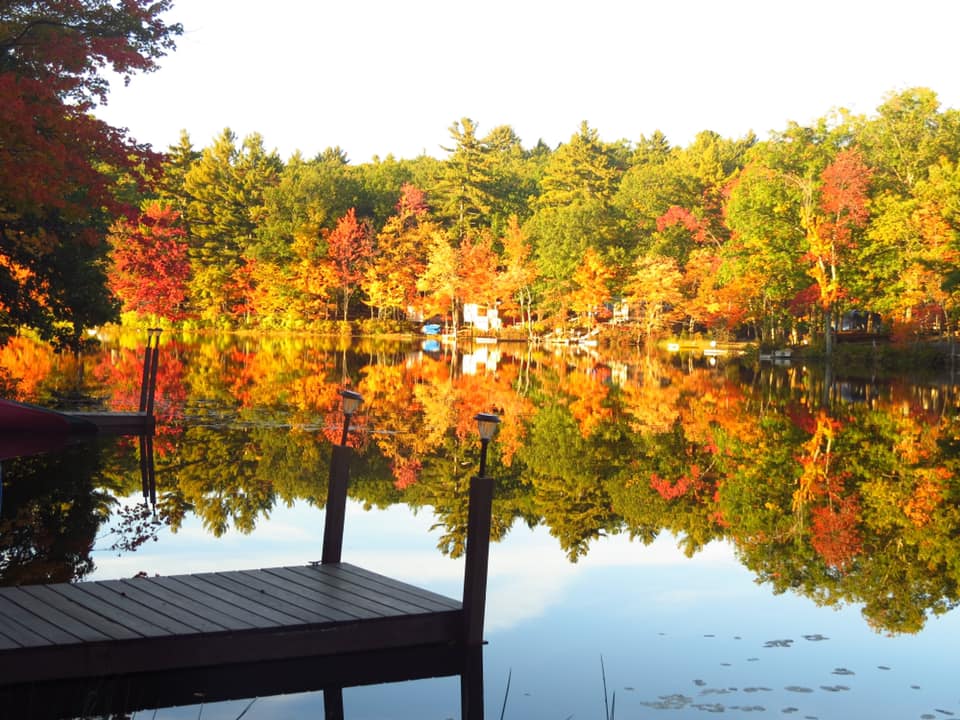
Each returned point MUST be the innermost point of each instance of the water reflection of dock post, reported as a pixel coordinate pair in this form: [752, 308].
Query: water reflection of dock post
[148, 480]
[148, 383]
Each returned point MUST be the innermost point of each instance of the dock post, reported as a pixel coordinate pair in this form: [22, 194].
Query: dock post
[471, 684]
[478, 538]
[478, 552]
[336, 504]
[337, 485]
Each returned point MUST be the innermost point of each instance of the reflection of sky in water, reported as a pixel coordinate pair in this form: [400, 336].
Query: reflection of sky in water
[679, 637]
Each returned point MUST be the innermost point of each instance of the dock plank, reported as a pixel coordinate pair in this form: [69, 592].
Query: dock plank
[246, 587]
[361, 607]
[84, 626]
[137, 592]
[259, 609]
[81, 597]
[441, 600]
[154, 622]
[368, 588]
[50, 632]
[395, 588]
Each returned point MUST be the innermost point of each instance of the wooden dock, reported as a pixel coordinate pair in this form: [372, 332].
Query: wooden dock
[104, 628]
[138, 628]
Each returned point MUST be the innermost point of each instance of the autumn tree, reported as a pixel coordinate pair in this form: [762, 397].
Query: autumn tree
[654, 290]
[349, 250]
[150, 270]
[390, 279]
[516, 280]
[57, 161]
[591, 281]
[831, 231]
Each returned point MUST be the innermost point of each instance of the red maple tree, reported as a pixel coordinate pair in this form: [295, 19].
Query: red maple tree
[150, 270]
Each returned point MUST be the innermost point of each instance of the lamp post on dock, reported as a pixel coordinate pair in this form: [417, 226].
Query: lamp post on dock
[351, 403]
[478, 537]
[337, 485]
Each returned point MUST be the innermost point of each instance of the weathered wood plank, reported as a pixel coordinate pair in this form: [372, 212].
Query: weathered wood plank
[419, 596]
[89, 600]
[84, 625]
[297, 594]
[51, 633]
[143, 610]
[397, 600]
[222, 614]
[159, 601]
[249, 586]
[261, 612]
[442, 600]
[16, 635]
[359, 607]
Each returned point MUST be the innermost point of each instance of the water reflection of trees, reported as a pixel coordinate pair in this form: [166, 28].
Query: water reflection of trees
[842, 489]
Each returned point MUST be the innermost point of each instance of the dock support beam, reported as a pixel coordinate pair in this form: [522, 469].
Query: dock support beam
[336, 504]
[478, 552]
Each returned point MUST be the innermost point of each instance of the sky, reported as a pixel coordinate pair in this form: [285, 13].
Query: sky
[382, 77]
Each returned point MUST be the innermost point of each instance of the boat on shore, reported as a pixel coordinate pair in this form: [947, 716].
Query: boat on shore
[26, 418]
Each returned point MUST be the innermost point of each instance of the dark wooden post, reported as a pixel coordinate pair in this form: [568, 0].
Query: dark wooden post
[333, 703]
[336, 504]
[471, 684]
[478, 551]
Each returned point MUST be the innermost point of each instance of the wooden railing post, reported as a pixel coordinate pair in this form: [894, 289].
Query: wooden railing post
[478, 552]
[336, 504]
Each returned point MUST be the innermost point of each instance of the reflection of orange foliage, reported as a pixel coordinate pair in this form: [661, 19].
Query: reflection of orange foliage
[816, 479]
[28, 363]
[405, 473]
[668, 490]
[927, 494]
[834, 533]
[589, 395]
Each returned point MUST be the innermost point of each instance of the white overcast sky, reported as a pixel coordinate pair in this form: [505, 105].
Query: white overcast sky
[390, 76]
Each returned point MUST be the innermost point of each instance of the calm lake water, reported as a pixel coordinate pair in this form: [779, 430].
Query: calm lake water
[676, 537]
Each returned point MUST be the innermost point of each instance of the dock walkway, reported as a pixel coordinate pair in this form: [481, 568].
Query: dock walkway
[91, 629]
[131, 631]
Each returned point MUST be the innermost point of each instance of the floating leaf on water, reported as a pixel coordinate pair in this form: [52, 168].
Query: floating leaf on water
[669, 702]
[711, 708]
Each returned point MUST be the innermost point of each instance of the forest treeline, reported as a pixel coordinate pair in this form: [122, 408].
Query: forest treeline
[768, 238]
[773, 238]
